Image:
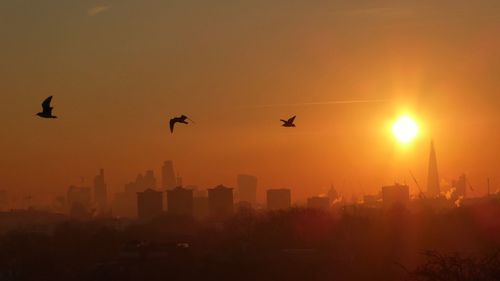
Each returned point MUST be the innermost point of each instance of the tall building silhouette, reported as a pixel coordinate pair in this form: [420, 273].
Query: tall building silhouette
[149, 180]
[125, 203]
[149, 204]
[200, 203]
[180, 201]
[279, 199]
[220, 201]
[100, 191]
[395, 195]
[247, 188]
[433, 176]
[168, 176]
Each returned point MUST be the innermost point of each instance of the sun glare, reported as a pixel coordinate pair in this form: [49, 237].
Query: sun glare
[405, 129]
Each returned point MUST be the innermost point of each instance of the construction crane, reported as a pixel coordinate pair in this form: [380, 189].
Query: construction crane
[421, 194]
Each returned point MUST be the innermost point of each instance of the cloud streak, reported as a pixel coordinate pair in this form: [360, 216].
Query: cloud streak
[97, 10]
[333, 102]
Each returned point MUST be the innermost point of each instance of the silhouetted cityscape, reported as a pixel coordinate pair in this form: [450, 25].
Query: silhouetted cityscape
[189, 233]
[199, 140]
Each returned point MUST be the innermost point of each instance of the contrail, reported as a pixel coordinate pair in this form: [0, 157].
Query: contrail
[321, 103]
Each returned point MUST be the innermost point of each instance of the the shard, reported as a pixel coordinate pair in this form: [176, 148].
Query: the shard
[433, 176]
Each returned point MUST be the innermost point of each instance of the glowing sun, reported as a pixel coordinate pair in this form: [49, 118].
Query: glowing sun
[405, 129]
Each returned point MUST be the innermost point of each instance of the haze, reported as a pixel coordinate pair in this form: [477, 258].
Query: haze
[119, 70]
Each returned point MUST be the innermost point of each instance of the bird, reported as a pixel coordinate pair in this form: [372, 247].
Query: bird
[289, 122]
[180, 119]
[46, 109]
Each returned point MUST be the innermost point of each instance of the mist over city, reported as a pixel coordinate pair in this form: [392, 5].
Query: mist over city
[250, 140]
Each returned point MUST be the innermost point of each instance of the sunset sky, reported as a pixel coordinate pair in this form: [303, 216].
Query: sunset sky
[119, 70]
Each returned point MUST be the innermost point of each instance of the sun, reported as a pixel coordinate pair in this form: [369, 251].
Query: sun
[405, 129]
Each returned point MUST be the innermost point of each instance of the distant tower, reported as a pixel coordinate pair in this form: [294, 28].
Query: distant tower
[149, 204]
[180, 201]
[100, 191]
[220, 201]
[178, 181]
[168, 176]
[149, 180]
[395, 195]
[433, 176]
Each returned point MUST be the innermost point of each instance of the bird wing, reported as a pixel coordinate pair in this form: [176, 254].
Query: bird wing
[46, 105]
[172, 123]
[284, 121]
[291, 119]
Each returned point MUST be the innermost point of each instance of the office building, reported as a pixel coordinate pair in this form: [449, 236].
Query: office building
[149, 204]
[168, 176]
[180, 201]
[220, 201]
[395, 195]
[100, 191]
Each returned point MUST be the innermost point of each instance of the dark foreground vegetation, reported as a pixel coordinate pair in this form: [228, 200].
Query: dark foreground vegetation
[299, 244]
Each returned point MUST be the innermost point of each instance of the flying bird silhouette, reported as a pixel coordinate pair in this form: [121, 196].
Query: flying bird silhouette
[180, 119]
[289, 122]
[46, 109]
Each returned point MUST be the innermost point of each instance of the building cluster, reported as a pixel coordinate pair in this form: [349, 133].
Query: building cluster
[83, 202]
[218, 203]
[143, 198]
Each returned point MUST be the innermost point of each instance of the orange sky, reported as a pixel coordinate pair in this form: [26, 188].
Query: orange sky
[119, 70]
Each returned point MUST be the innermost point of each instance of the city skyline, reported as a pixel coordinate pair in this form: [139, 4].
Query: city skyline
[250, 140]
[257, 63]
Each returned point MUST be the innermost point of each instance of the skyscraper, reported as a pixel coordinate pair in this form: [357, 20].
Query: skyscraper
[125, 203]
[220, 201]
[395, 195]
[433, 176]
[180, 201]
[149, 204]
[247, 188]
[168, 176]
[100, 191]
[149, 180]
